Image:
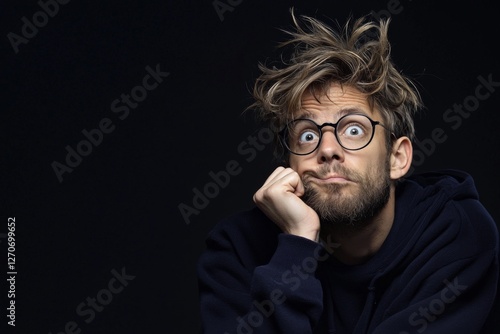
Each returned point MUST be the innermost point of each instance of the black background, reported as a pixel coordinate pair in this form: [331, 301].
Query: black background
[119, 207]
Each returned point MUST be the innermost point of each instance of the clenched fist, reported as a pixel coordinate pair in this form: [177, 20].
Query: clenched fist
[279, 198]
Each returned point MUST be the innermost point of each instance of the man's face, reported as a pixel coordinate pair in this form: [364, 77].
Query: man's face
[346, 188]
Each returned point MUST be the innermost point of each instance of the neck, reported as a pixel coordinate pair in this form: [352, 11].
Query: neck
[358, 245]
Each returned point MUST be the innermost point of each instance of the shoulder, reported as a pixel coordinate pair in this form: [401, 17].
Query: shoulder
[475, 226]
[447, 212]
[470, 218]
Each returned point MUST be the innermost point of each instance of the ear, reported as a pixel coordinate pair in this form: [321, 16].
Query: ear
[401, 157]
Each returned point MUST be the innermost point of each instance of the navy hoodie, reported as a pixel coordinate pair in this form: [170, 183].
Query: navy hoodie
[437, 271]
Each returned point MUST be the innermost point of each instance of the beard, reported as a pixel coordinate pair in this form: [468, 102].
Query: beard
[348, 212]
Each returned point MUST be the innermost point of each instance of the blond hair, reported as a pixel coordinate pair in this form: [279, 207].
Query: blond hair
[357, 55]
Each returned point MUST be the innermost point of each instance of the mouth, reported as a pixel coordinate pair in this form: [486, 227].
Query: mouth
[334, 178]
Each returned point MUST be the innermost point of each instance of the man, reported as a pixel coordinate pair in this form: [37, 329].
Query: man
[341, 240]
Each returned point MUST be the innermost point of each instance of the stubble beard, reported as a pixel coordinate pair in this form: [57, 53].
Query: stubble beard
[348, 212]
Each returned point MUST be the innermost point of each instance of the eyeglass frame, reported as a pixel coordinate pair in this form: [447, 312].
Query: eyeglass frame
[334, 125]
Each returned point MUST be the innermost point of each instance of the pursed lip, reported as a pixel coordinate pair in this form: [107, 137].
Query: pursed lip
[332, 178]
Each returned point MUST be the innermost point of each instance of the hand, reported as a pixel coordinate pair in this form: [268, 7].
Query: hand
[279, 199]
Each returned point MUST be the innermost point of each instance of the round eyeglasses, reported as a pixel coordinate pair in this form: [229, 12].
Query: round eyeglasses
[353, 132]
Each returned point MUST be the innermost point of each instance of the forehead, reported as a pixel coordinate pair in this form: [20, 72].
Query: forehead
[338, 101]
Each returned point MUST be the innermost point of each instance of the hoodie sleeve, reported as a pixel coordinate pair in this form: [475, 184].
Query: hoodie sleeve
[451, 285]
[281, 296]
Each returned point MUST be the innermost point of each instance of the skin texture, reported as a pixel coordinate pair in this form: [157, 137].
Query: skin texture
[339, 178]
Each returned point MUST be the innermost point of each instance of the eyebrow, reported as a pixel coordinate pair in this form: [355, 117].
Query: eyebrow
[342, 112]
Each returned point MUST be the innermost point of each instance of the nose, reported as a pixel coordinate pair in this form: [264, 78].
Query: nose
[329, 148]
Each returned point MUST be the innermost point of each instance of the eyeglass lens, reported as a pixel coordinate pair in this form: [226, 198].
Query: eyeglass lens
[352, 131]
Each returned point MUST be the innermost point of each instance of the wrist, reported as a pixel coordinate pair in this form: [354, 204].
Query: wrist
[312, 235]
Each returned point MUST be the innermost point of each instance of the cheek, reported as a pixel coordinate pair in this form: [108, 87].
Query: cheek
[377, 153]
[380, 146]
[297, 163]
[378, 164]
[369, 163]
[293, 164]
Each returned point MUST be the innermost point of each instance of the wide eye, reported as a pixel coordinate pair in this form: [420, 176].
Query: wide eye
[354, 130]
[308, 136]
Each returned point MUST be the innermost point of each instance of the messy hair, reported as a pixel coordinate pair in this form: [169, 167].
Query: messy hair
[357, 55]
